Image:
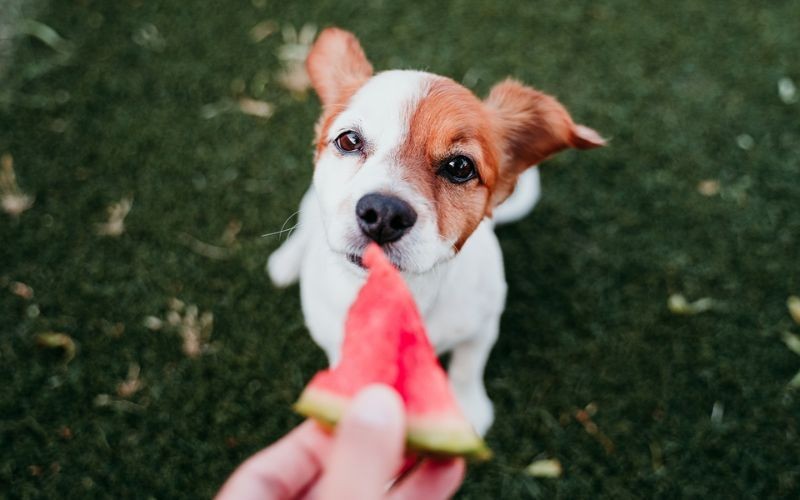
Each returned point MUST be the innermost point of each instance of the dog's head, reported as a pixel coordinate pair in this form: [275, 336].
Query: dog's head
[414, 161]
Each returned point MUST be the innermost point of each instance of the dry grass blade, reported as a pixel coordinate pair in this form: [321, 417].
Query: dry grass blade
[584, 416]
[132, 383]
[56, 340]
[203, 248]
[46, 35]
[106, 401]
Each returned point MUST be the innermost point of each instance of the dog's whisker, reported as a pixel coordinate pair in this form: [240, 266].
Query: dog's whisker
[283, 227]
[289, 230]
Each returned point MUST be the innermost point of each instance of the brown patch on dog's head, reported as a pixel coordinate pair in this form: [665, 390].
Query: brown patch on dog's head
[450, 121]
[337, 67]
[515, 128]
[532, 126]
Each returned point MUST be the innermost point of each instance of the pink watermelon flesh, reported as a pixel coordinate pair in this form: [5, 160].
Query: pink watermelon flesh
[385, 342]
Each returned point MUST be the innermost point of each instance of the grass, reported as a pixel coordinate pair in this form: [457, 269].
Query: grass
[686, 90]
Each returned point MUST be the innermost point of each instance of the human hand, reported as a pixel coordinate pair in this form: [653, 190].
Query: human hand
[358, 462]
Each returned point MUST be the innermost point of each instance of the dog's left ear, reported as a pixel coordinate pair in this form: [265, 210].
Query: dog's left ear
[337, 66]
[532, 126]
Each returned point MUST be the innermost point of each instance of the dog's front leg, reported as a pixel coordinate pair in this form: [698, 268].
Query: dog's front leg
[284, 264]
[467, 363]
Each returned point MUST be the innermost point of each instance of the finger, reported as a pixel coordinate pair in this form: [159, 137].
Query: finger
[434, 479]
[367, 448]
[282, 470]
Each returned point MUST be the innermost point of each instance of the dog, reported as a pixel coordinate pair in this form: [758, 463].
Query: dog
[418, 164]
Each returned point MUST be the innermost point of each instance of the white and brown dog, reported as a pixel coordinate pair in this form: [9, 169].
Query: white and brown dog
[418, 164]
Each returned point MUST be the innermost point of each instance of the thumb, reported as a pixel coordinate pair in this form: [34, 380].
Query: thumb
[368, 447]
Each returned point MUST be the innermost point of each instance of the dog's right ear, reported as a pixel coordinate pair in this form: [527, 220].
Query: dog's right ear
[337, 66]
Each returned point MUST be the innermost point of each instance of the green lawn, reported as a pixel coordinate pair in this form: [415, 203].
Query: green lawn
[139, 103]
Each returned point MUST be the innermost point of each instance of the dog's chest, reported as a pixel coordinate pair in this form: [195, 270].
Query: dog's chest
[456, 300]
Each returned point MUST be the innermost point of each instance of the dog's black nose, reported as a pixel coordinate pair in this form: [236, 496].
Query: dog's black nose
[384, 218]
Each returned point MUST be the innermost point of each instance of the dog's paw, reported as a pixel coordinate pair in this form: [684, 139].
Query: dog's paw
[477, 407]
[282, 268]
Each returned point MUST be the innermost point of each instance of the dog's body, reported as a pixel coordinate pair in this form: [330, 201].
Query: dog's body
[416, 163]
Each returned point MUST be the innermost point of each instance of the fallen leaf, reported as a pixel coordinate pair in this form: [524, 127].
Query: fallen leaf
[787, 90]
[295, 78]
[745, 142]
[656, 457]
[795, 382]
[193, 327]
[717, 412]
[793, 303]
[708, 187]
[262, 30]
[55, 340]
[792, 342]
[22, 290]
[293, 54]
[231, 232]
[176, 304]
[12, 199]
[215, 109]
[173, 318]
[153, 323]
[132, 383]
[149, 37]
[117, 212]
[549, 468]
[678, 304]
[254, 107]
[195, 331]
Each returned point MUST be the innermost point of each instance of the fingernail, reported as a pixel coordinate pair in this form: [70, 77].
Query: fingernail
[376, 406]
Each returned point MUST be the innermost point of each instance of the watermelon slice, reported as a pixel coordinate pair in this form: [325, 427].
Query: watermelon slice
[385, 342]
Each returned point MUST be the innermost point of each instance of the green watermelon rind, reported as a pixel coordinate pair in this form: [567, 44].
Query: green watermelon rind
[429, 437]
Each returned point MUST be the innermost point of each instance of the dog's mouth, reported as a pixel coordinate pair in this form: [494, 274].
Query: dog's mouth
[356, 259]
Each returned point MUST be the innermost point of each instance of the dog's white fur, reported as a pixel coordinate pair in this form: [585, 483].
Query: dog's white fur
[460, 294]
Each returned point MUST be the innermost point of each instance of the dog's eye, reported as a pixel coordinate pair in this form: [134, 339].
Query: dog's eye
[349, 142]
[458, 169]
